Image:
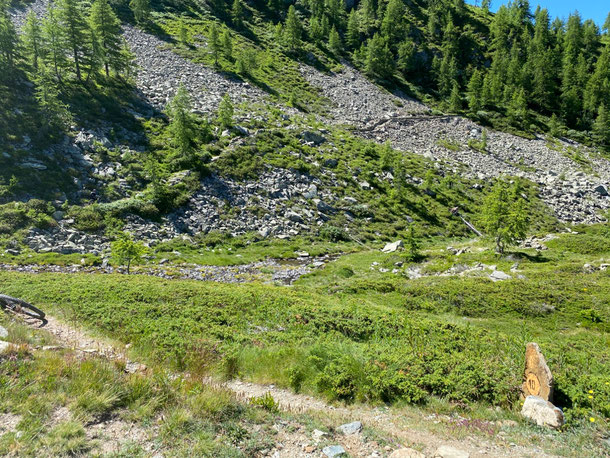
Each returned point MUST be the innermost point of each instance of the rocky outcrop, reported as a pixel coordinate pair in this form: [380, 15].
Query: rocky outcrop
[280, 203]
[65, 241]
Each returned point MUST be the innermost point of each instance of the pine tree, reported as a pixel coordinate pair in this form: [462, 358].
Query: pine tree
[292, 29]
[32, 39]
[237, 14]
[334, 42]
[601, 127]
[486, 5]
[246, 61]
[8, 37]
[607, 24]
[517, 109]
[225, 112]
[315, 30]
[215, 45]
[227, 45]
[182, 33]
[72, 20]
[181, 121]
[455, 100]
[379, 59]
[141, 10]
[504, 215]
[107, 28]
[598, 87]
[554, 126]
[352, 35]
[406, 56]
[475, 89]
[55, 42]
[393, 24]
[55, 113]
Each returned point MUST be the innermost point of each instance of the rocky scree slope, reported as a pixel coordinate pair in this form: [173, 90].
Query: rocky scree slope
[575, 194]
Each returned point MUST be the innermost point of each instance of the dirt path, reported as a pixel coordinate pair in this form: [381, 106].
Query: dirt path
[408, 430]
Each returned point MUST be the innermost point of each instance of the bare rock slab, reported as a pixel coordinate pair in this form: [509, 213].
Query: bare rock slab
[537, 377]
[351, 428]
[392, 247]
[446, 451]
[407, 453]
[333, 450]
[542, 412]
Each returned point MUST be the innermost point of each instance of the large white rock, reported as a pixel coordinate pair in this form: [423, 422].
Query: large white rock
[392, 247]
[407, 453]
[446, 451]
[542, 412]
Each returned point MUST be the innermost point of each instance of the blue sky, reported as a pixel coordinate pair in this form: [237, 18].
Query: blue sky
[588, 9]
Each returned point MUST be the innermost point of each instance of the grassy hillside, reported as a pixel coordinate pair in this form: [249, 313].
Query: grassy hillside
[376, 337]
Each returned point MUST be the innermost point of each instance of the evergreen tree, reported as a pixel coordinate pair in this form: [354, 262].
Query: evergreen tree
[225, 112]
[393, 24]
[227, 45]
[455, 100]
[107, 28]
[292, 29]
[607, 24]
[334, 42]
[316, 32]
[246, 61]
[181, 121]
[517, 109]
[379, 59]
[141, 10]
[504, 215]
[352, 35]
[486, 5]
[475, 89]
[598, 87]
[32, 39]
[601, 127]
[8, 37]
[412, 245]
[72, 21]
[237, 14]
[367, 15]
[215, 45]
[54, 40]
[182, 33]
[554, 126]
[406, 56]
[55, 113]
[126, 250]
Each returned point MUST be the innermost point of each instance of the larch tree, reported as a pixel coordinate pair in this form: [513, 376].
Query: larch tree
[74, 26]
[292, 29]
[8, 37]
[334, 42]
[215, 45]
[225, 112]
[32, 39]
[181, 121]
[505, 215]
[55, 42]
[107, 29]
[141, 10]
[237, 14]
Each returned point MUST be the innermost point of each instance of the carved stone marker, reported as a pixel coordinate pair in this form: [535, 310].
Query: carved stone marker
[537, 378]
